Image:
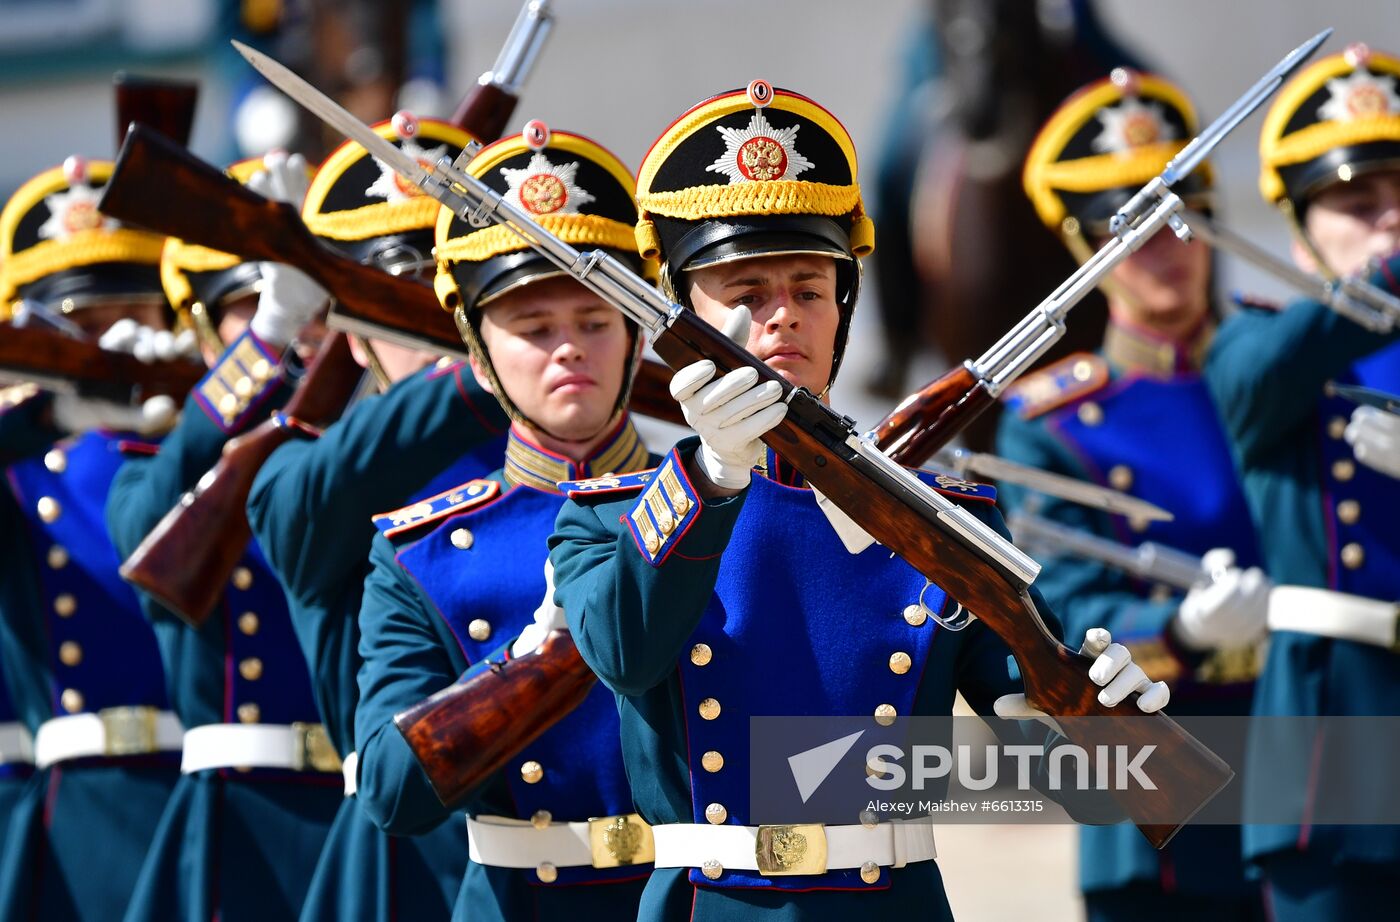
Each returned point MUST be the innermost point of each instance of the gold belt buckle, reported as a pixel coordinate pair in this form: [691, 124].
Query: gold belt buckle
[619, 840]
[312, 749]
[793, 849]
[128, 731]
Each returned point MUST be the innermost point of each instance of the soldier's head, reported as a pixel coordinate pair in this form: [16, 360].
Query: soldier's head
[64, 262]
[213, 292]
[1096, 150]
[1329, 153]
[557, 356]
[359, 205]
[752, 198]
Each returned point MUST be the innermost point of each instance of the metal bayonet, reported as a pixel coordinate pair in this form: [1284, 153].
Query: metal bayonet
[980, 464]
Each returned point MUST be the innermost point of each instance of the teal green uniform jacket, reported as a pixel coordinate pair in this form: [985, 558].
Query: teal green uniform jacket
[435, 609]
[233, 845]
[1136, 417]
[1267, 371]
[310, 510]
[750, 603]
[77, 829]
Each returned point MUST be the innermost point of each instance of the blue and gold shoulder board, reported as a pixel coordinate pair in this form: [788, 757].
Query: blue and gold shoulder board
[1055, 385]
[459, 499]
[958, 488]
[613, 483]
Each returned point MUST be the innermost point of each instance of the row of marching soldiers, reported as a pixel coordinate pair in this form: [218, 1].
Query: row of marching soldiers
[250, 767]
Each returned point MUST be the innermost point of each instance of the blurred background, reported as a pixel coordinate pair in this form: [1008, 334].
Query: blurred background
[941, 96]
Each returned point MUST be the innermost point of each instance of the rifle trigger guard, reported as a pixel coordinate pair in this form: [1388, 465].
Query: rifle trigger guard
[958, 621]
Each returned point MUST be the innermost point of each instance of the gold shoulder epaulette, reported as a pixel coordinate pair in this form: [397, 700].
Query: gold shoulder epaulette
[1053, 386]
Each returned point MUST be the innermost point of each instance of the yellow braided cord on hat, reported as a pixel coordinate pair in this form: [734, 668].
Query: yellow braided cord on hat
[84, 248]
[1036, 176]
[173, 280]
[574, 229]
[779, 196]
[715, 109]
[417, 213]
[194, 258]
[1276, 151]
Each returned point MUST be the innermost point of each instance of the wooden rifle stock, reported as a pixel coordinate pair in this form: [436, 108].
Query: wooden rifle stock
[60, 362]
[485, 111]
[185, 562]
[1056, 678]
[472, 728]
[167, 106]
[218, 212]
[929, 419]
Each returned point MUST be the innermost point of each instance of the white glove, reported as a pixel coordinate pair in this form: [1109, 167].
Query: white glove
[731, 414]
[1113, 670]
[289, 298]
[1374, 437]
[1230, 610]
[80, 414]
[548, 617]
[147, 344]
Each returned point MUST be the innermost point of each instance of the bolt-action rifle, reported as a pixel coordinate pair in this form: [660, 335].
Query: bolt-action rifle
[460, 747]
[186, 560]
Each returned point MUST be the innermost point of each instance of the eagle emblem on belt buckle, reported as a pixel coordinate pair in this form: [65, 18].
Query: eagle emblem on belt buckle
[791, 849]
[618, 840]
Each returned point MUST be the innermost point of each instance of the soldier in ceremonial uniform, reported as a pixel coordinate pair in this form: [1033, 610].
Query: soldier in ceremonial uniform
[1330, 159]
[310, 509]
[686, 592]
[260, 780]
[456, 577]
[79, 659]
[1136, 416]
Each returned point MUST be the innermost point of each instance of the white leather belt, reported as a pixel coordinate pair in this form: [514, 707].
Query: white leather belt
[16, 745]
[118, 731]
[604, 842]
[298, 746]
[347, 771]
[810, 848]
[1339, 615]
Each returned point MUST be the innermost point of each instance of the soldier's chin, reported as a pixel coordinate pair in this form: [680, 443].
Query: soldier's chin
[575, 422]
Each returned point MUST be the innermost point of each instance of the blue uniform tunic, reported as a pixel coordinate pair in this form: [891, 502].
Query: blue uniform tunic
[1323, 521]
[310, 509]
[232, 844]
[74, 642]
[21, 433]
[454, 581]
[1138, 418]
[751, 603]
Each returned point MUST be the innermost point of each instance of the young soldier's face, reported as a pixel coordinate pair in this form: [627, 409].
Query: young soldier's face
[1167, 285]
[560, 352]
[1353, 222]
[793, 303]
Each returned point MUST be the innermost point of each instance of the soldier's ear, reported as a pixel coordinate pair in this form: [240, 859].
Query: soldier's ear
[1303, 256]
[357, 352]
[480, 375]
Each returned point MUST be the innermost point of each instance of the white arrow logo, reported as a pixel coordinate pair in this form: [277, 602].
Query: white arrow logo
[810, 768]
